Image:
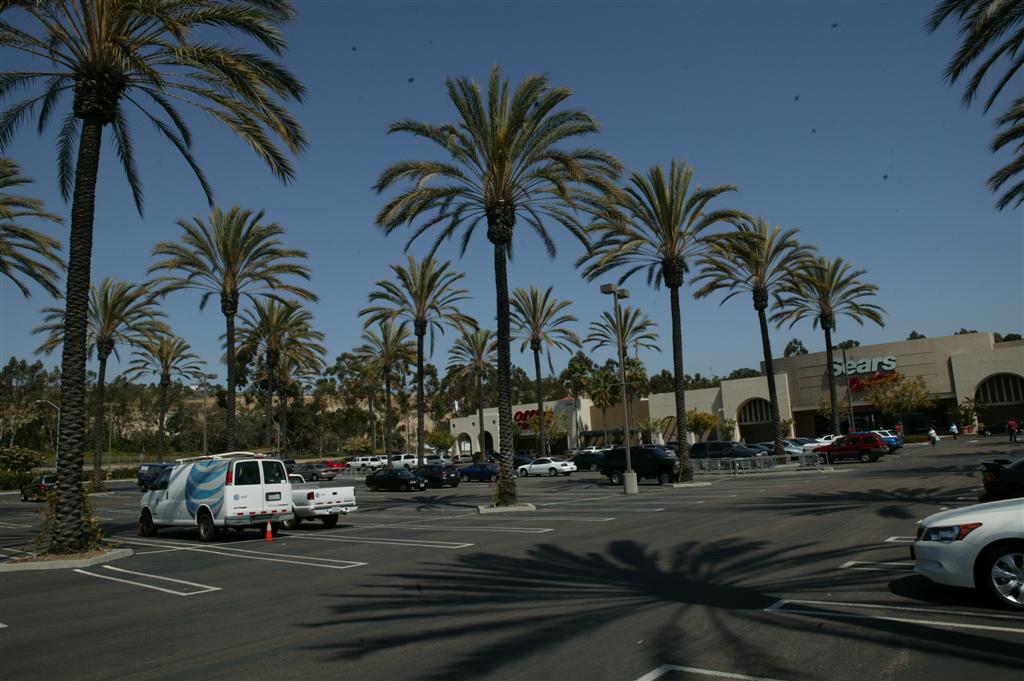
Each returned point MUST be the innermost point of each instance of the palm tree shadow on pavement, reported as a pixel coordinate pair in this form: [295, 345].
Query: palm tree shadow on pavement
[498, 608]
[895, 503]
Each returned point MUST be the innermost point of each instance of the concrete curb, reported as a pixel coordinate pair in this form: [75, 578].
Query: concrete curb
[115, 554]
[684, 485]
[506, 509]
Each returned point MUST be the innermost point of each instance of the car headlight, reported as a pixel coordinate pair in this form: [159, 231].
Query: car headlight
[949, 533]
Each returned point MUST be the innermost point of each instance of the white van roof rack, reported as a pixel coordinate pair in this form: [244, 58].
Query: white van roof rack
[226, 455]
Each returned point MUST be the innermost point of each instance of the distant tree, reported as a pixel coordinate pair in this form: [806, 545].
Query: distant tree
[1000, 338]
[914, 335]
[391, 351]
[825, 407]
[632, 327]
[700, 423]
[604, 393]
[900, 396]
[848, 344]
[990, 30]
[576, 378]
[440, 439]
[743, 372]
[962, 331]
[794, 347]
[357, 445]
[662, 382]
[472, 359]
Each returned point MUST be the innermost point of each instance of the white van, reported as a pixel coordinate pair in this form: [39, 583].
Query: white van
[238, 489]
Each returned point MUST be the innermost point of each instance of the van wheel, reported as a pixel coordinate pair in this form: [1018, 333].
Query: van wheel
[290, 524]
[866, 457]
[329, 521]
[615, 478]
[204, 523]
[998, 572]
[664, 478]
[146, 525]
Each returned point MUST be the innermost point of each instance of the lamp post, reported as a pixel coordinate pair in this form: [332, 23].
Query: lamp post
[629, 483]
[56, 449]
[849, 395]
[202, 381]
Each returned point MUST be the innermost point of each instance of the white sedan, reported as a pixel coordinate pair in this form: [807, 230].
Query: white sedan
[550, 466]
[979, 547]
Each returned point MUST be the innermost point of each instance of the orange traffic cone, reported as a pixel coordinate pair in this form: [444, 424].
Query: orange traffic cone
[269, 535]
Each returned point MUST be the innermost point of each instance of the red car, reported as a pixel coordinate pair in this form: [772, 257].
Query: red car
[335, 464]
[865, 447]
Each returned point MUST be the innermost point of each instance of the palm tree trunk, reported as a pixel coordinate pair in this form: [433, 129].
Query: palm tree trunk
[541, 434]
[97, 426]
[373, 420]
[284, 420]
[482, 439]
[229, 306]
[831, 379]
[165, 382]
[506, 494]
[387, 413]
[769, 370]
[69, 531]
[682, 442]
[420, 420]
[268, 419]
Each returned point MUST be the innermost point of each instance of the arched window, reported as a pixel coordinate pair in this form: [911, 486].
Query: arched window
[1001, 389]
[753, 411]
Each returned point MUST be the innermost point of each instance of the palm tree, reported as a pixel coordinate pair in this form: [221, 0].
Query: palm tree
[576, 378]
[539, 321]
[604, 393]
[392, 352]
[120, 313]
[147, 57]
[990, 29]
[33, 254]
[169, 357]
[825, 290]
[300, 366]
[423, 293]
[659, 226]
[473, 357]
[505, 165]
[758, 259]
[275, 327]
[794, 347]
[232, 255]
[630, 327]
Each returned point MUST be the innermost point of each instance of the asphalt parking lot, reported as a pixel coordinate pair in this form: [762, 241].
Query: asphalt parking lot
[794, 576]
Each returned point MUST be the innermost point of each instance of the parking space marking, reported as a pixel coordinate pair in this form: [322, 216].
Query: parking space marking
[2, 625]
[424, 543]
[203, 588]
[900, 540]
[666, 668]
[779, 607]
[866, 565]
[475, 528]
[12, 526]
[307, 561]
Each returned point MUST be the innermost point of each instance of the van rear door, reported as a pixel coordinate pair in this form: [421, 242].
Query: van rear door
[277, 491]
[244, 496]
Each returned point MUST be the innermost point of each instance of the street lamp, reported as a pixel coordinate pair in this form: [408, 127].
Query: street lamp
[202, 381]
[56, 449]
[629, 484]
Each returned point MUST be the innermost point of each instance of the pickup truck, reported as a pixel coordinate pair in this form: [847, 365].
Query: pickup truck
[312, 500]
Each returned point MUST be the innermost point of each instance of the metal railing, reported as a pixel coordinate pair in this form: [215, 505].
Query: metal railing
[755, 464]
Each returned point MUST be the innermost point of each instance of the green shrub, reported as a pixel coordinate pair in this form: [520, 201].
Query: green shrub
[12, 479]
[20, 459]
[123, 473]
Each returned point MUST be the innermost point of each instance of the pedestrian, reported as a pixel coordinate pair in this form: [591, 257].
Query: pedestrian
[953, 430]
[1011, 427]
[933, 437]
[899, 431]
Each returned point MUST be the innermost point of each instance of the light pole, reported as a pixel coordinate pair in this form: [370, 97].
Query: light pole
[202, 381]
[849, 395]
[629, 483]
[56, 449]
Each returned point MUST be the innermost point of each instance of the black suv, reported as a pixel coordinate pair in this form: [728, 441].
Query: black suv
[651, 463]
[149, 472]
[589, 461]
[438, 475]
[722, 449]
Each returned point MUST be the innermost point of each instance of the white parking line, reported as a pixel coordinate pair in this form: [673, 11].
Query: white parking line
[2, 625]
[424, 543]
[13, 526]
[779, 607]
[203, 587]
[866, 565]
[666, 668]
[475, 528]
[308, 561]
[900, 540]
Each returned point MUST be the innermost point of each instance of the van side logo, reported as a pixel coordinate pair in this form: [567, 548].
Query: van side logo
[205, 485]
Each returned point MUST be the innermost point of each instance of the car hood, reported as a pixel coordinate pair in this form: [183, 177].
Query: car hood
[967, 513]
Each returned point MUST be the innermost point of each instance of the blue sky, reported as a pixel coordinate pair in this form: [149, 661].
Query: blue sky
[830, 117]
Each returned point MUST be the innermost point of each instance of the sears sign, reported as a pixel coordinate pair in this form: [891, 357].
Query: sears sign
[863, 366]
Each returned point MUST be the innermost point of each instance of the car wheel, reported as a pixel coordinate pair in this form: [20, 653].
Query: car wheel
[146, 526]
[1000, 571]
[822, 459]
[523, 473]
[664, 478]
[494, 478]
[315, 477]
[465, 478]
[405, 487]
[615, 478]
[290, 524]
[207, 530]
[593, 467]
[552, 472]
[867, 457]
[329, 521]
